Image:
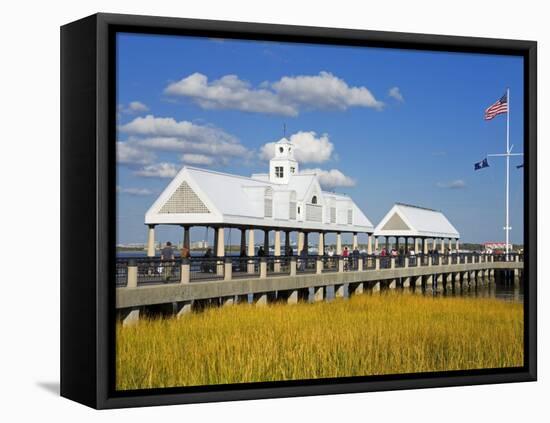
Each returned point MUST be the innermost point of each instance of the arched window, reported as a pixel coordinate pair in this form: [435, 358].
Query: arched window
[314, 199]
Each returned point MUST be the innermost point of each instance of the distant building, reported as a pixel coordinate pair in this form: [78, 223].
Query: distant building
[199, 245]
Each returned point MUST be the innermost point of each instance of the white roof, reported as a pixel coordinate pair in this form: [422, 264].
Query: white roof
[211, 197]
[406, 220]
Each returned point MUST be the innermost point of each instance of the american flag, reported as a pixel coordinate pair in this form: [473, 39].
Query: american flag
[501, 106]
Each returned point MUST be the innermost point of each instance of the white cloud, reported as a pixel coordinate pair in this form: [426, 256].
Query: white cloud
[395, 93]
[199, 144]
[134, 107]
[308, 147]
[131, 154]
[229, 92]
[134, 191]
[287, 97]
[331, 178]
[456, 184]
[158, 170]
[197, 159]
[324, 91]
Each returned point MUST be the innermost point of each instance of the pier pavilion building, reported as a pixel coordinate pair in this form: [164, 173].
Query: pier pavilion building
[283, 200]
[421, 225]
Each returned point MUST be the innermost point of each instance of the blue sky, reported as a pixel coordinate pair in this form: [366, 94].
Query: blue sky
[399, 126]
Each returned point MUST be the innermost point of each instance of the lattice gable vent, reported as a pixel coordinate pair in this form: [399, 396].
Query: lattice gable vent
[184, 200]
[395, 223]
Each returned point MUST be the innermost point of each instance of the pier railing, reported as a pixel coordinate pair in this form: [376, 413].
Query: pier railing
[152, 270]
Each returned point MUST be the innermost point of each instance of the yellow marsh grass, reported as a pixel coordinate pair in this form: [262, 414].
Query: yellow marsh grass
[366, 335]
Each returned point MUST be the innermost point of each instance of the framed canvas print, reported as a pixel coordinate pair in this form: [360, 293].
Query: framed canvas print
[255, 211]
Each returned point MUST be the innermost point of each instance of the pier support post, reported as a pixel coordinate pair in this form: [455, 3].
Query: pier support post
[263, 268]
[132, 274]
[182, 308]
[151, 241]
[418, 284]
[227, 301]
[318, 293]
[228, 269]
[355, 288]
[260, 299]
[319, 265]
[293, 266]
[185, 271]
[339, 291]
[130, 316]
[376, 286]
[291, 296]
[242, 299]
[392, 284]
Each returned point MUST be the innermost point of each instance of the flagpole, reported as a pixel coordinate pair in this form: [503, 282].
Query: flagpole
[508, 172]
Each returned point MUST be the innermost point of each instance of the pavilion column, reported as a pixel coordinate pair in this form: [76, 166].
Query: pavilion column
[424, 246]
[338, 243]
[151, 241]
[369, 244]
[434, 244]
[375, 243]
[396, 243]
[251, 243]
[387, 243]
[321, 248]
[220, 250]
[406, 245]
[355, 245]
[457, 245]
[300, 242]
[243, 241]
[417, 245]
[266, 242]
[306, 243]
[186, 237]
[277, 250]
[287, 243]
[442, 246]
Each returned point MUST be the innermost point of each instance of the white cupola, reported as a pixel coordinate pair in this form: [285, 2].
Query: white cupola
[283, 165]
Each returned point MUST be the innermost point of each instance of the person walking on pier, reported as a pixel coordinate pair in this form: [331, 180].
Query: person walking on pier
[167, 257]
[261, 252]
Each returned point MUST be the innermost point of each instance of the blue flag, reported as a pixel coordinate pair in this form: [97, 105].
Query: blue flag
[481, 164]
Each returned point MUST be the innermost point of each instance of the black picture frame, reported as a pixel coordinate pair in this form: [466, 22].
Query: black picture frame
[88, 130]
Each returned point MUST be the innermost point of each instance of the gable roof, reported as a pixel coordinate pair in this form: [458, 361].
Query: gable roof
[409, 220]
[201, 196]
